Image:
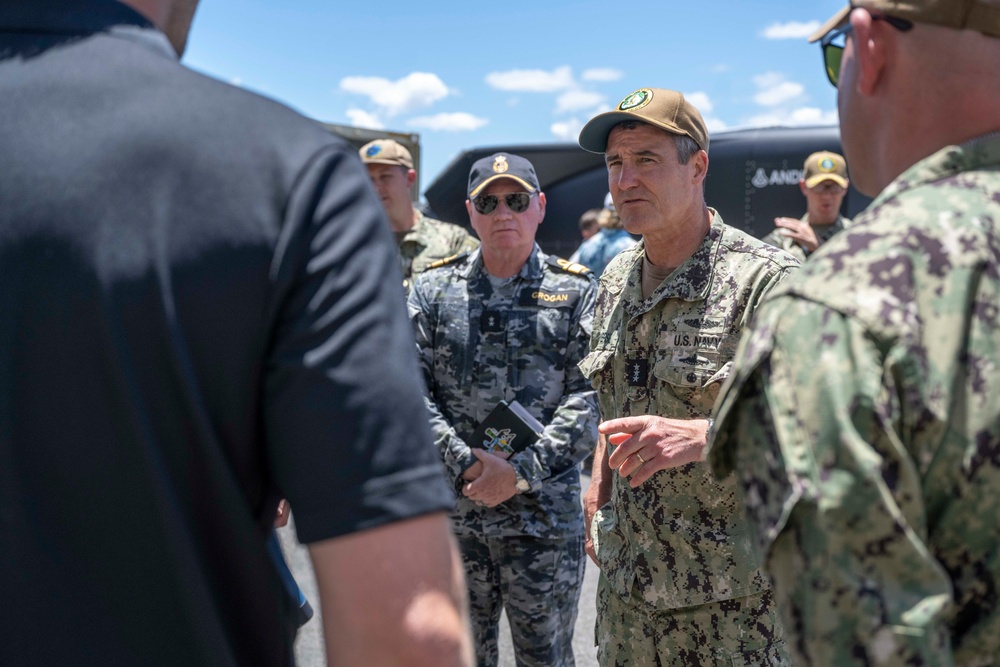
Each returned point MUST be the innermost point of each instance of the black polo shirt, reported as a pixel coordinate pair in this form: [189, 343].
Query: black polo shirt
[200, 313]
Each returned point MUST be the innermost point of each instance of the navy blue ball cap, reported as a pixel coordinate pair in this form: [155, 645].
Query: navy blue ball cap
[502, 165]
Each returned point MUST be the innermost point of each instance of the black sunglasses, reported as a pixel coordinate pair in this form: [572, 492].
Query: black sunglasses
[834, 53]
[517, 202]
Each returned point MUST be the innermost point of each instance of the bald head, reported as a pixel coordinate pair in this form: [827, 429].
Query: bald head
[172, 17]
[904, 95]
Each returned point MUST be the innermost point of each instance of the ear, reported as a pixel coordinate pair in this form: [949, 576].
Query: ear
[873, 41]
[468, 207]
[411, 177]
[802, 187]
[700, 161]
[541, 206]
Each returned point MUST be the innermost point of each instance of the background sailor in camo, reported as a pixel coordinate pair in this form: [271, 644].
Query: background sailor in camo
[508, 322]
[824, 185]
[680, 582]
[421, 240]
[863, 418]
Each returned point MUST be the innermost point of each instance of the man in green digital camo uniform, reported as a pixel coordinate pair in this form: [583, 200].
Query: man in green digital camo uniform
[863, 418]
[680, 583]
[422, 240]
[508, 322]
[824, 185]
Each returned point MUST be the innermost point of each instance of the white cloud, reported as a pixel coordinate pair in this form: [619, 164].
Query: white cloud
[236, 81]
[796, 116]
[449, 122]
[790, 30]
[361, 118]
[415, 90]
[532, 80]
[578, 100]
[602, 74]
[714, 124]
[700, 101]
[774, 90]
[567, 130]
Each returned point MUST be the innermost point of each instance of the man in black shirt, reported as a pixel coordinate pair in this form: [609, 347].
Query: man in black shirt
[198, 318]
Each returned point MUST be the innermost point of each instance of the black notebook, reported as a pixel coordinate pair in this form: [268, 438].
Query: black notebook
[508, 429]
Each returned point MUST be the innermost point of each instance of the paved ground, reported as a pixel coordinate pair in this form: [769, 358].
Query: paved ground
[309, 645]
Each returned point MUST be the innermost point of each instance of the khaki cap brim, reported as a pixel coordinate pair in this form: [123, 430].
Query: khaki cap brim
[479, 188]
[837, 20]
[594, 135]
[820, 178]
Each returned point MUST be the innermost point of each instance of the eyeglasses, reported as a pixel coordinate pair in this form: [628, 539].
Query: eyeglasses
[517, 202]
[833, 52]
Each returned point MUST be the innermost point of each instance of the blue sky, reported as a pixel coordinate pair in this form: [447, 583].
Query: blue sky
[465, 74]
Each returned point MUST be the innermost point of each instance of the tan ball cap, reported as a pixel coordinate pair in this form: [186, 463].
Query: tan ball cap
[386, 151]
[825, 166]
[665, 109]
[982, 15]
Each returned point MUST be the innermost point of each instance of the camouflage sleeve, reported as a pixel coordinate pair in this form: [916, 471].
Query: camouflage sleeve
[464, 242]
[830, 491]
[773, 238]
[571, 434]
[455, 454]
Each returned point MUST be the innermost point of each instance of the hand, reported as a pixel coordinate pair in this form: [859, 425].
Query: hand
[647, 444]
[476, 469]
[591, 503]
[496, 484]
[800, 232]
[284, 511]
[598, 494]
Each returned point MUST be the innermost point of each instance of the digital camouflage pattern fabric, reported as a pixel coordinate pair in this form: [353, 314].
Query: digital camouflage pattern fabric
[431, 240]
[541, 578]
[863, 421]
[788, 244]
[521, 342]
[482, 340]
[679, 539]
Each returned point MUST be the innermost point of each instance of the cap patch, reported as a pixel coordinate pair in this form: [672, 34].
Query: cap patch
[636, 100]
[827, 165]
[500, 164]
[373, 150]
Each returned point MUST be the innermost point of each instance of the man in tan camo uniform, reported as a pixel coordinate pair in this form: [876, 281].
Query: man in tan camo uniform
[422, 240]
[680, 583]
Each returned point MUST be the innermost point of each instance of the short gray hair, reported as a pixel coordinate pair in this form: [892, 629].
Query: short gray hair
[686, 146]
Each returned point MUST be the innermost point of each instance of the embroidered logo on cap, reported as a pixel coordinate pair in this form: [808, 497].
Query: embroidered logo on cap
[636, 100]
[826, 164]
[500, 164]
[373, 150]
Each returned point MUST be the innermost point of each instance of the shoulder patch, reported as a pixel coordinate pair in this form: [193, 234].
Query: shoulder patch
[448, 260]
[568, 267]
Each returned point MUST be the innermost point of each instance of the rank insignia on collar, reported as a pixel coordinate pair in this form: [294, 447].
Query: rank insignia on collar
[500, 164]
[637, 372]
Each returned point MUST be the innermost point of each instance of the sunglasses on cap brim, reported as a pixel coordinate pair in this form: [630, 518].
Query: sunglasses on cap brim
[517, 202]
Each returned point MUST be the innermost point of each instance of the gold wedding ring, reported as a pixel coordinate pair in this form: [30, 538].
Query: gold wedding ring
[640, 458]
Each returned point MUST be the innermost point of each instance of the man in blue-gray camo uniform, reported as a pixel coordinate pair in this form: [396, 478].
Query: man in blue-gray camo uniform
[508, 322]
[680, 583]
[863, 415]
